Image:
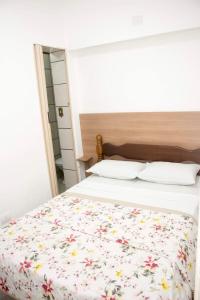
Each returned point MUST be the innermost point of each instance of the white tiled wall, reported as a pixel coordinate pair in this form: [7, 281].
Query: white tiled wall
[61, 96]
[50, 95]
[65, 120]
[58, 72]
[66, 138]
[46, 61]
[57, 56]
[56, 147]
[48, 77]
[54, 130]
[68, 159]
[52, 113]
[51, 105]
[70, 178]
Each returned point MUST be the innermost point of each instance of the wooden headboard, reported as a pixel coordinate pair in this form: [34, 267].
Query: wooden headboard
[143, 152]
[178, 129]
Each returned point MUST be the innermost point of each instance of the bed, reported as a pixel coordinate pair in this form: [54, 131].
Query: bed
[106, 238]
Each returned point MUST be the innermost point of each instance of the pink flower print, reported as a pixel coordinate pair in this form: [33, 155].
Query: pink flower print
[122, 241]
[135, 212]
[57, 222]
[13, 222]
[3, 285]
[88, 262]
[150, 263]
[88, 213]
[76, 200]
[70, 239]
[24, 266]
[182, 255]
[40, 214]
[105, 297]
[101, 229]
[21, 239]
[157, 227]
[47, 287]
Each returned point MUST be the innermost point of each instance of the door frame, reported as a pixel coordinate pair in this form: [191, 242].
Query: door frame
[39, 62]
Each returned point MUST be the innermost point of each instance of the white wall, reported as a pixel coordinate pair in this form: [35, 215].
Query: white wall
[93, 22]
[24, 177]
[159, 73]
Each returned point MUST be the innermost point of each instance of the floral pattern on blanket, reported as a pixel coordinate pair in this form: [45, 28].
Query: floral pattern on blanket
[77, 248]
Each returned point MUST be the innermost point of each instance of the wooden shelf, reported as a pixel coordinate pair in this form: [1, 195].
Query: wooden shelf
[85, 159]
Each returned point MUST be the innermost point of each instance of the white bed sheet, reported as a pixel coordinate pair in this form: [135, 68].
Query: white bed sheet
[182, 198]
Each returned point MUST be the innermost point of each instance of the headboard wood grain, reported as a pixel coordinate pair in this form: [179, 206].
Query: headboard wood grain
[143, 152]
[180, 129]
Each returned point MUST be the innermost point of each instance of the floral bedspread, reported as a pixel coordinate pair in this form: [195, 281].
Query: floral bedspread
[77, 248]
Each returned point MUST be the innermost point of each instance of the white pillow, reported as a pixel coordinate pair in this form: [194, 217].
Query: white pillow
[170, 173]
[117, 169]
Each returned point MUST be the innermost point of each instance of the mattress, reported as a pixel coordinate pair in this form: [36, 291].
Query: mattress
[174, 197]
[104, 239]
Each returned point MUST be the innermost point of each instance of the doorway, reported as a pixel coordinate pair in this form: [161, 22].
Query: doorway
[53, 86]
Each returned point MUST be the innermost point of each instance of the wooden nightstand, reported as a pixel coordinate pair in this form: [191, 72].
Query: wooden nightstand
[86, 161]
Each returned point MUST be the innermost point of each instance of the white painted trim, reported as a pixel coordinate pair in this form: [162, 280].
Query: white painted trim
[44, 113]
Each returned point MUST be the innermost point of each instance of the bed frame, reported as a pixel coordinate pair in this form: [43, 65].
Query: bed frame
[146, 152]
[150, 136]
[150, 153]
